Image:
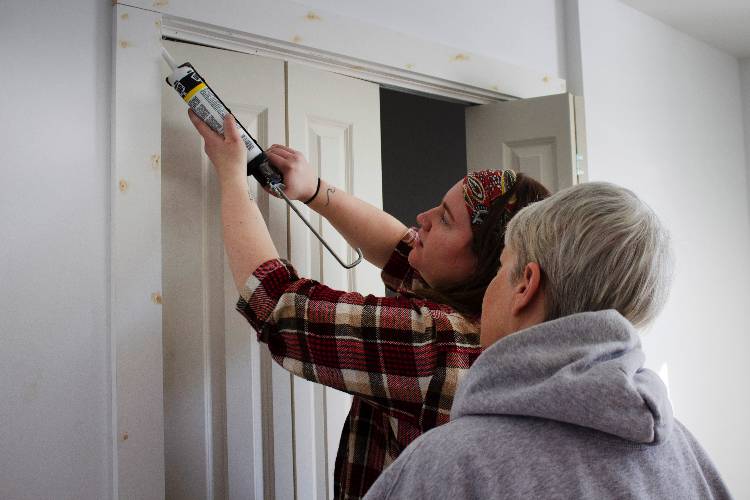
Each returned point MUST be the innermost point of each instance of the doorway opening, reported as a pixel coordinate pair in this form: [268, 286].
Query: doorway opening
[423, 150]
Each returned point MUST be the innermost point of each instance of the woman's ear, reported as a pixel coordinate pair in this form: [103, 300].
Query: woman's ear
[527, 289]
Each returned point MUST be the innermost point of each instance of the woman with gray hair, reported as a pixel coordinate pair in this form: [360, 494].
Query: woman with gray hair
[559, 405]
[626, 267]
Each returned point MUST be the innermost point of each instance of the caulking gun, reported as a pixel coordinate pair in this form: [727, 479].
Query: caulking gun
[205, 103]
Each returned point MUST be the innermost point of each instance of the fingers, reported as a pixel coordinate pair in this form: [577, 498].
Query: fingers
[231, 131]
[290, 151]
[203, 129]
[277, 160]
[283, 153]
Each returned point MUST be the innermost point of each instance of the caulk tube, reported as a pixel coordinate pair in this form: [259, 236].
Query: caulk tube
[206, 104]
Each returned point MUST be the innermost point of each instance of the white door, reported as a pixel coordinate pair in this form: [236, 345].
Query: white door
[335, 121]
[220, 387]
[542, 137]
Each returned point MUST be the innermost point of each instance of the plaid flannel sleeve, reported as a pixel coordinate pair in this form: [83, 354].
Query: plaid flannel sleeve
[405, 355]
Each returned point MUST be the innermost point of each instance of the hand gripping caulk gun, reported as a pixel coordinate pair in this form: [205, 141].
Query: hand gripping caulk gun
[204, 102]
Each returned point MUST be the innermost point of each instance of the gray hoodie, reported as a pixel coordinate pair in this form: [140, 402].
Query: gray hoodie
[564, 409]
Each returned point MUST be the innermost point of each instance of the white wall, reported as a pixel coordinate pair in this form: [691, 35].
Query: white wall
[54, 375]
[663, 116]
[527, 33]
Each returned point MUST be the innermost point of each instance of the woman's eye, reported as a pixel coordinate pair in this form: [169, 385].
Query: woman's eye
[443, 219]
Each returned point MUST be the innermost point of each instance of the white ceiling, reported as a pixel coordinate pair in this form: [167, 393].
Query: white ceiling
[725, 24]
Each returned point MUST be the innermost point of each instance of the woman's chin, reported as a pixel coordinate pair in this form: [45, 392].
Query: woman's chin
[414, 258]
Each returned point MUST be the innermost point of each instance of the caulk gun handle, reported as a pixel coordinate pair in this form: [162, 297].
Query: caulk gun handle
[263, 171]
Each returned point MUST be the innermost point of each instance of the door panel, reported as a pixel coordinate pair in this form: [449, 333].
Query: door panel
[223, 398]
[534, 136]
[335, 121]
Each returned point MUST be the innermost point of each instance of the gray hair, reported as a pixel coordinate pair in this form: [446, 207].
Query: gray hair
[599, 247]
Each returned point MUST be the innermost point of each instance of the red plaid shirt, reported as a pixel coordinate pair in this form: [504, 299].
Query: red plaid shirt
[400, 357]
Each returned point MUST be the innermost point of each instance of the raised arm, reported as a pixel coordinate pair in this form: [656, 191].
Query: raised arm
[361, 224]
[404, 355]
[246, 237]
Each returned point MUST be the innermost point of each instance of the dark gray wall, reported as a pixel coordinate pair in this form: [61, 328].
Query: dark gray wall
[423, 151]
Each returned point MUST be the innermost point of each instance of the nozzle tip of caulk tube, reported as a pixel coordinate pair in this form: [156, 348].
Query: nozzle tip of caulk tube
[168, 58]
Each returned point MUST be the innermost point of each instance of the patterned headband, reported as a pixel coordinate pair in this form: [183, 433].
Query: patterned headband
[483, 187]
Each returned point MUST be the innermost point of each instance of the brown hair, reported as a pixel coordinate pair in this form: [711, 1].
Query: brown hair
[487, 245]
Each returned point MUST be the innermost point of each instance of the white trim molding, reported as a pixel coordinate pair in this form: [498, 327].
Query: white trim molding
[136, 265]
[292, 31]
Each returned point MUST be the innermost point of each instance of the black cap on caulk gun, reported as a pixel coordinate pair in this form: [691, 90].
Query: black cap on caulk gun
[178, 72]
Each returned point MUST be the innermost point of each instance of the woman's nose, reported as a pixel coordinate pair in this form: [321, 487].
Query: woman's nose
[423, 221]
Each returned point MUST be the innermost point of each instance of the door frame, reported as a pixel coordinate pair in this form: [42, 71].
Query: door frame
[136, 429]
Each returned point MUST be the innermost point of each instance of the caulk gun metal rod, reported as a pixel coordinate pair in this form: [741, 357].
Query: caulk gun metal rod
[280, 192]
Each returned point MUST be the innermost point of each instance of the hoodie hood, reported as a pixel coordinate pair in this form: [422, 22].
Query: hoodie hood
[584, 369]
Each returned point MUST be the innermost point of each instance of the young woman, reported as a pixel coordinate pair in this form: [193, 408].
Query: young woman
[400, 357]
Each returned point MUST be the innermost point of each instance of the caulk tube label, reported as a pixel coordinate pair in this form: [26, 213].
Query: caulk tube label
[206, 104]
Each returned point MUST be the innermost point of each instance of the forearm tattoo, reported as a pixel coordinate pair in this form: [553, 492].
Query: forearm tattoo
[329, 192]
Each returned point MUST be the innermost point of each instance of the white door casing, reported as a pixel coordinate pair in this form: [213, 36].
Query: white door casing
[223, 398]
[335, 121]
[135, 314]
[535, 136]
